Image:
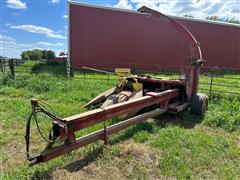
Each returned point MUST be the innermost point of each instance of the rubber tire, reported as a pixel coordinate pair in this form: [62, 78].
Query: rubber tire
[199, 105]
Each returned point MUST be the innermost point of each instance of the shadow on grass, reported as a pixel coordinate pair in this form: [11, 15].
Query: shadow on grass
[91, 156]
[182, 119]
[52, 68]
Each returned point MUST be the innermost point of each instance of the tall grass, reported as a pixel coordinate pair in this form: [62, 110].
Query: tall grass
[67, 97]
[224, 112]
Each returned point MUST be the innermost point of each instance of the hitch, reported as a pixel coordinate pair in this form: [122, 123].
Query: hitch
[57, 124]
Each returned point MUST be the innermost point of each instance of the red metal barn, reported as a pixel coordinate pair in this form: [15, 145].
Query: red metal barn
[107, 38]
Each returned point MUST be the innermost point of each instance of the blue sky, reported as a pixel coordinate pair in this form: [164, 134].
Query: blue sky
[29, 24]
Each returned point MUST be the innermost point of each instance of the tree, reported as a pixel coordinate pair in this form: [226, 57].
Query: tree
[2, 57]
[213, 18]
[189, 16]
[233, 20]
[35, 54]
[25, 55]
[62, 54]
[44, 53]
[230, 20]
[50, 55]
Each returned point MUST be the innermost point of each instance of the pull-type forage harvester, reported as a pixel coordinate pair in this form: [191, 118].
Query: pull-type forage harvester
[132, 94]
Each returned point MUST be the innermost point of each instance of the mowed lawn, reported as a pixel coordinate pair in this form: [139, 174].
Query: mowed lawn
[169, 146]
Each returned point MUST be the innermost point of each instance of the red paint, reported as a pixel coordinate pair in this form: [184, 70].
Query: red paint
[105, 39]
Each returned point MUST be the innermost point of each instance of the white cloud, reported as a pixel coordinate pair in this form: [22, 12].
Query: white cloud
[5, 38]
[48, 44]
[197, 8]
[16, 4]
[16, 13]
[9, 47]
[39, 30]
[55, 1]
[65, 16]
[123, 4]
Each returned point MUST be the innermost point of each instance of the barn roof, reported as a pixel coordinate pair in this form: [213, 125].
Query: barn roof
[132, 11]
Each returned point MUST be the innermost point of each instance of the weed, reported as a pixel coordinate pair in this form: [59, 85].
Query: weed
[224, 111]
[141, 137]
[183, 152]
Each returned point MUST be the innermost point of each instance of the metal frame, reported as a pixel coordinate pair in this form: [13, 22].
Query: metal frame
[175, 97]
[84, 120]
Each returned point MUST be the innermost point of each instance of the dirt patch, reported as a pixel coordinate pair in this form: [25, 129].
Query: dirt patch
[141, 152]
[121, 161]
[12, 155]
[89, 172]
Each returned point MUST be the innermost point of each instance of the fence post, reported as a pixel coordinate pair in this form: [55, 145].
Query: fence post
[71, 71]
[68, 68]
[1, 65]
[211, 82]
[11, 67]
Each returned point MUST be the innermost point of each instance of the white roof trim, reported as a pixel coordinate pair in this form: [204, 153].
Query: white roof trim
[207, 21]
[132, 11]
[101, 7]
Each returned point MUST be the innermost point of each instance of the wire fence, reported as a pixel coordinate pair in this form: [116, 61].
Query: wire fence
[210, 82]
[219, 84]
[7, 66]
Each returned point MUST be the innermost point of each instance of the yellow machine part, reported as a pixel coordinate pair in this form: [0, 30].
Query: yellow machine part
[123, 73]
[137, 86]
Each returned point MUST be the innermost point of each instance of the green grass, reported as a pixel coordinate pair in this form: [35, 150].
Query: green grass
[189, 153]
[188, 147]
[224, 112]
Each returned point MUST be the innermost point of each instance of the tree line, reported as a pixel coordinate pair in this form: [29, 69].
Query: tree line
[216, 18]
[38, 54]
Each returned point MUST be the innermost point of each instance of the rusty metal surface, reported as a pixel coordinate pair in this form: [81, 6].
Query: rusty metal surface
[159, 81]
[66, 128]
[98, 135]
[105, 39]
[89, 118]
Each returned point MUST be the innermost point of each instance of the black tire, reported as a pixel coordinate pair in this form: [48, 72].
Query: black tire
[199, 105]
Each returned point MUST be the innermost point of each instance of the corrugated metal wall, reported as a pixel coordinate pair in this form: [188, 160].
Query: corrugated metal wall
[105, 38]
